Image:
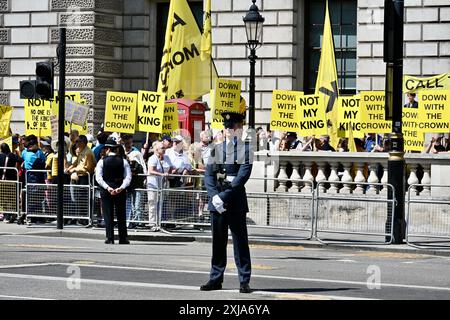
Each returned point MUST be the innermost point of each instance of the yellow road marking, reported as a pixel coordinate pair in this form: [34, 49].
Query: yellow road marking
[281, 248]
[397, 255]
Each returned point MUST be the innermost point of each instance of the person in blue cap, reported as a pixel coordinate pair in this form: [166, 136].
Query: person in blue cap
[227, 172]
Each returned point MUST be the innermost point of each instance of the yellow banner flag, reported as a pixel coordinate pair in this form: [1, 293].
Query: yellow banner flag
[206, 36]
[120, 114]
[5, 119]
[285, 110]
[170, 123]
[327, 84]
[372, 113]
[434, 111]
[351, 141]
[8, 141]
[312, 118]
[415, 84]
[414, 138]
[349, 117]
[183, 73]
[227, 99]
[37, 118]
[150, 111]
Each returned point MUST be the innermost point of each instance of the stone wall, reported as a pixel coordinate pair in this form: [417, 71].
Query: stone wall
[427, 40]
[112, 45]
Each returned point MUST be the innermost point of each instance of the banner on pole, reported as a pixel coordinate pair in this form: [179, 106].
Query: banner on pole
[5, 119]
[37, 117]
[373, 114]
[349, 117]
[414, 138]
[150, 111]
[227, 99]
[120, 114]
[416, 84]
[76, 112]
[284, 115]
[312, 115]
[434, 111]
[170, 123]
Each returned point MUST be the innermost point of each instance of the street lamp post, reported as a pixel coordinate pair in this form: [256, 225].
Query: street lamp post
[253, 27]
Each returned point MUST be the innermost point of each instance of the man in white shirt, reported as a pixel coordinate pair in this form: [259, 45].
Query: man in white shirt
[178, 157]
[113, 174]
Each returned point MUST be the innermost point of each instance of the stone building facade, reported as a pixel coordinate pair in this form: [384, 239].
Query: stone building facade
[115, 44]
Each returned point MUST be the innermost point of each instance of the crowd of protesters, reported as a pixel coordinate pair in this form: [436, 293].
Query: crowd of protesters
[159, 156]
[37, 160]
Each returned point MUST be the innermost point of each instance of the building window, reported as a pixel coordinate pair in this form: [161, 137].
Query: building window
[343, 15]
[162, 15]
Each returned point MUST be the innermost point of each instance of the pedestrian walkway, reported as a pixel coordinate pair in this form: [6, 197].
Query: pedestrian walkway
[187, 235]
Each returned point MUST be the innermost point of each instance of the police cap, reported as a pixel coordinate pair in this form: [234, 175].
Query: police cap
[232, 118]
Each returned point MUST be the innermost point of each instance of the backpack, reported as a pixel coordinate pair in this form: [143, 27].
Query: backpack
[137, 182]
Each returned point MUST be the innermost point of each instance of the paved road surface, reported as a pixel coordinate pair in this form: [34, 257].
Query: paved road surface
[36, 267]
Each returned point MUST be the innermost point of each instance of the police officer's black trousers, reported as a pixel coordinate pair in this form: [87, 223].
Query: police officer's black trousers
[237, 224]
[109, 205]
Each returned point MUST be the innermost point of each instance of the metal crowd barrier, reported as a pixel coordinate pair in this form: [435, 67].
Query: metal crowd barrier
[42, 199]
[349, 216]
[283, 215]
[428, 217]
[9, 193]
[138, 211]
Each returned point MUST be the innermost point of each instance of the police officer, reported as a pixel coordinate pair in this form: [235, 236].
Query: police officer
[113, 174]
[227, 171]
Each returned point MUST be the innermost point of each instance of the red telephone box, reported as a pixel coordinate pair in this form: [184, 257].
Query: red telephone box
[191, 117]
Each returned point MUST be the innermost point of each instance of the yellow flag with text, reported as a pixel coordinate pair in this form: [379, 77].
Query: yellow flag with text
[183, 73]
[327, 79]
[5, 119]
[206, 36]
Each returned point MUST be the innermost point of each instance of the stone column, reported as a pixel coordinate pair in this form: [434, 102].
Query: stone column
[296, 185]
[308, 177]
[413, 179]
[360, 178]
[385, 180]
[321, 176]
[282, 176]
[334, 179]
[426, 180]
[347, 188]
[373, 178]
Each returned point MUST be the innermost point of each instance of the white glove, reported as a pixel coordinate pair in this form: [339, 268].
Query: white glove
[218, 204]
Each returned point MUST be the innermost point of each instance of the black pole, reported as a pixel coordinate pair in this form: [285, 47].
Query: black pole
[393, 56]
[61, 112]
[251, 107]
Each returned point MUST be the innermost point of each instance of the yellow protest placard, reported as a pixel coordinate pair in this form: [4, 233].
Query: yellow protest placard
[372, 113]
[120, 114]
[170, 123]
[416, 84]
[349, 117]
[434, 111]
[227, 99]
[37, 118]
[5, 119]
[8, 141]
[414, 138]
[285, 110]
[312, 117]
[150, 111]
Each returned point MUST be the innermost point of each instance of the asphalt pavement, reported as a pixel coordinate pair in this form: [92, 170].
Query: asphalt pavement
[41, 263]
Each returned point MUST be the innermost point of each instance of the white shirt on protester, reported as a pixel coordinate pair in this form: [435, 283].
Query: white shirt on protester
[161, 166]
[179, 160]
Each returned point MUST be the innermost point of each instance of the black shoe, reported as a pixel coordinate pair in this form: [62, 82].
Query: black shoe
[245, 288]
[125, 241]
[107, 241]
[210, 286]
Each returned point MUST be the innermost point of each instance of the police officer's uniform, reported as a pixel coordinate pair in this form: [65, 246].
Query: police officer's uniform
[113, 171]
[228, 170]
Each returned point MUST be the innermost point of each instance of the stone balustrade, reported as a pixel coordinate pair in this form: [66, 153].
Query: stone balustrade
[342, 171]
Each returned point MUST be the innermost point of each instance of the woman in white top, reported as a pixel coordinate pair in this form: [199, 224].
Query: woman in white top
[159, 166]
